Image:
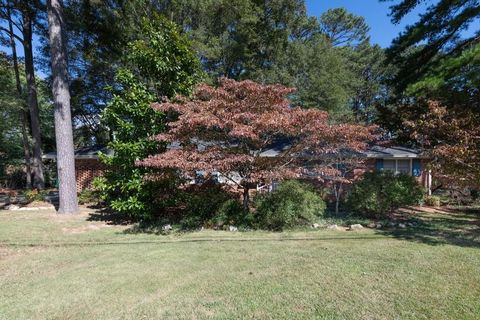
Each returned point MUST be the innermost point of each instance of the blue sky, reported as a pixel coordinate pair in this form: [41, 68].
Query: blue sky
[382, 31]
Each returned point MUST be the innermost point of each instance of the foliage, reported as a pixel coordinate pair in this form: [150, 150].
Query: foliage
[162, 58]
[378, 193]
[225, 131]
[293, 204]
[34, 195]
[88, 196]
[343, 28]
[209, 205]
[452, 136]
[129, 189]
[433, 201]
[437, 34]
[319, 72]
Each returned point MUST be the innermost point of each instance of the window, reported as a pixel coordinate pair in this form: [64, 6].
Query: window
[398, 166]
[403, 166]
[389, 165]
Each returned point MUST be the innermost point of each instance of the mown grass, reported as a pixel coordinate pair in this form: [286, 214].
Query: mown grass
[71, 268]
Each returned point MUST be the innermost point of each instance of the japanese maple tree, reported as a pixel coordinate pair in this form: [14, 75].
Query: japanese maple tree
[451, 136]
[231, 129]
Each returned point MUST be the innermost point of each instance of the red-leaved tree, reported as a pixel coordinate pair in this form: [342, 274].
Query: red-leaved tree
[250, 134]
[451, 136]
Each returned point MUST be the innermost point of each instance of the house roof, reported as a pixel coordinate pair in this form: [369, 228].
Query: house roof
[375, 152]
[379, 152]
[83, 153]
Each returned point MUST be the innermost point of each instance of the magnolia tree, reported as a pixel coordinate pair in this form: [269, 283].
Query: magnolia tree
[228, 130]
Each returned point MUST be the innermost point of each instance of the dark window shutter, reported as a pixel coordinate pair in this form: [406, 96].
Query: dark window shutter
[379, 164]
[416, 168]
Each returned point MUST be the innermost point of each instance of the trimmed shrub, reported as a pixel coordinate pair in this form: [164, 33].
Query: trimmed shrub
[88, 196]
[433, 201]
[210, 205]
[35, 195]
[293, 204]
[378, 193]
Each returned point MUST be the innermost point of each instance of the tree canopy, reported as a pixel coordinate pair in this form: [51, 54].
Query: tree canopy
[228, 130]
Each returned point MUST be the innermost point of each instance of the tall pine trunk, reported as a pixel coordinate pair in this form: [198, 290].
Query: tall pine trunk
[38, 177]
[26, 144]
[63, 120]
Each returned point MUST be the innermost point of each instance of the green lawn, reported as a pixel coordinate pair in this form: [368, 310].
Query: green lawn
[72, 268]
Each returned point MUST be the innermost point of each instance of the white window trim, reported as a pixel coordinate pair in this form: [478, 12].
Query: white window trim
[396, 165]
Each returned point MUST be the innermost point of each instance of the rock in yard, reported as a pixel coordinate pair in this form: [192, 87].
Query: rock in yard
[13, 207]
[334, 227]
[357, 226]
[167, 227]
[402, 225]
[372, 225]
[233, 229]
[315, 226]
[378, 226]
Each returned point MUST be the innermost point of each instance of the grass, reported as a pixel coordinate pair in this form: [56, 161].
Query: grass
[71, 268]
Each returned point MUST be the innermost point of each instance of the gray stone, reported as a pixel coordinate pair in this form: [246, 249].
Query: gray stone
[315, 226]
[167, 227]
[13, 207]
[334, 227]
[378, 226]
[402, 225]
[233, 229]
[357, 226]
[372, 225]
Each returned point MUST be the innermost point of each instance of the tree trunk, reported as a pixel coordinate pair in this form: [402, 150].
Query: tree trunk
[63, 119]
[246, 199]
[338, 196]
[26, 150]
[38, 178]
[337, 205]
[26, 145]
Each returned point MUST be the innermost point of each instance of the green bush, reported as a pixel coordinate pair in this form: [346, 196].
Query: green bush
[293, 204]
[35, 195]
[88, 196]
[433, 201]
[378, 193]
[209, 205]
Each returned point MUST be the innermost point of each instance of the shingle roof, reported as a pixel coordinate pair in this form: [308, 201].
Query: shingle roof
[83, 153]
[393, 152]
[375, 152]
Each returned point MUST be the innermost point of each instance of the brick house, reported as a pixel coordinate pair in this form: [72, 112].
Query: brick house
[396, 159]
[87, 164]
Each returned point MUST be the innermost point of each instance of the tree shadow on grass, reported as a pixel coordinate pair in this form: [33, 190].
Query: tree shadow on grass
[108, 216]
[458, 226]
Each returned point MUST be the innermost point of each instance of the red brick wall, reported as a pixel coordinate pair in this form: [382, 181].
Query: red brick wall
[86, 170]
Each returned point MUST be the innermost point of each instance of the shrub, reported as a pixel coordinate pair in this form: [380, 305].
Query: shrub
[88, 196]
[379, 193]
[433, 201]
[293, 204]
[35, 195]
[233, 213]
